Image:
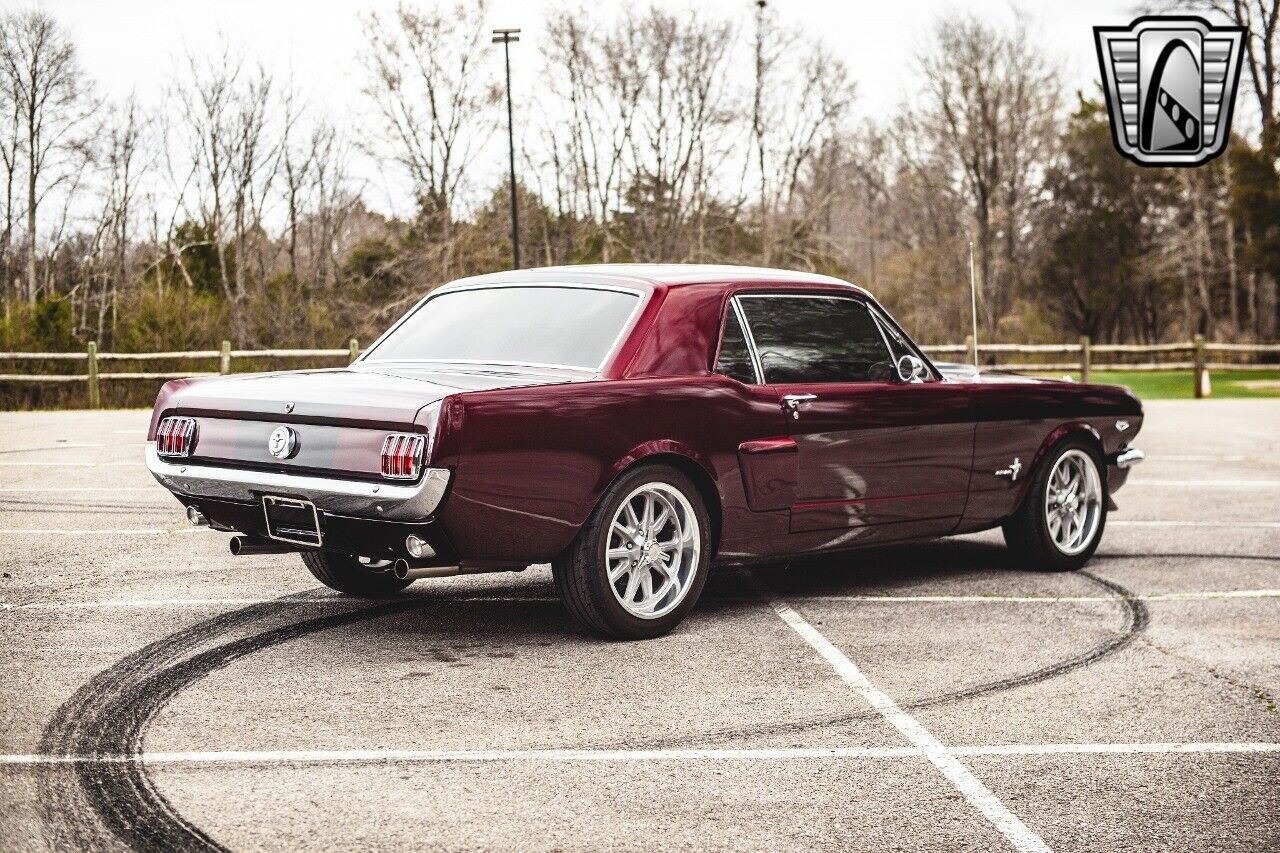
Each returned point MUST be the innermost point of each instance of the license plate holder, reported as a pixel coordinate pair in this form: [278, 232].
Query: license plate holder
[292, 520]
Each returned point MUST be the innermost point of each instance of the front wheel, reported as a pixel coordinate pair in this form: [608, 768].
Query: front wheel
[638, 565]
[1060, 522]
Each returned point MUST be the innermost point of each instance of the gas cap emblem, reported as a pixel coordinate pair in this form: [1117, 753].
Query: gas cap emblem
[283, 442]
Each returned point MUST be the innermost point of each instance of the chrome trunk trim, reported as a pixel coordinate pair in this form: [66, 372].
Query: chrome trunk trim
[392, 501]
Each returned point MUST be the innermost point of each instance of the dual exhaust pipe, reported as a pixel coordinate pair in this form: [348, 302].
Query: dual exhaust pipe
[249, 546]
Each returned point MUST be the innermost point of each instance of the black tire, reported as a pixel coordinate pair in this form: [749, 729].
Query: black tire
[347, 574]
[580, 573]
[1027, 531]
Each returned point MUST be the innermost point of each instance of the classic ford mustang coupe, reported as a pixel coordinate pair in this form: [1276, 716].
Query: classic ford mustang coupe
[632, 425]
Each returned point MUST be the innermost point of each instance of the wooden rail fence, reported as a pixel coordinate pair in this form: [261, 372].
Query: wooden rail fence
[1080, 359]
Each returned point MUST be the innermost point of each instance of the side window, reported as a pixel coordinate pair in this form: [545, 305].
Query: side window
[734, 360]
[817, 339]
[898, 344]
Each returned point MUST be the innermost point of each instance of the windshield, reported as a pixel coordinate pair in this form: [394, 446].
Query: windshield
[562, 326]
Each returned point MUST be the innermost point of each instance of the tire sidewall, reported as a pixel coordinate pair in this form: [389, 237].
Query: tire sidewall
[1042, 540]
[620, 621]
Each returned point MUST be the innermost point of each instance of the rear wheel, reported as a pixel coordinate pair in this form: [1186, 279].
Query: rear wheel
[349, 574]
[1060, 522]
[638, 565]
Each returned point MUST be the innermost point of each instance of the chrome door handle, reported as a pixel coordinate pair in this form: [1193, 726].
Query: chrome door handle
[792, 402]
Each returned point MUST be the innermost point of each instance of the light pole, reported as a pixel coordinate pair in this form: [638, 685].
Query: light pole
[506, 37]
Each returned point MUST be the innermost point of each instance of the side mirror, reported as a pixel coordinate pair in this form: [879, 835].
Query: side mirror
[910, 369]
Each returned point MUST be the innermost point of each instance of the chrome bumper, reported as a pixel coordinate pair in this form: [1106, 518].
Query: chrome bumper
[1129, 457]
[341, 497]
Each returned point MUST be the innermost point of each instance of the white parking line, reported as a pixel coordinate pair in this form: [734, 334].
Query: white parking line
[1048, 599]
[152, 488]
[341, 756]
[119, 531]
[978, 794]
[47, 464]
[1209, 484]
[1192, 457]
[1127, 522]
[159, 603]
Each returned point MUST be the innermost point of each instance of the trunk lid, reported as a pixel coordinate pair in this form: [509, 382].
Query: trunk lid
[340, 417]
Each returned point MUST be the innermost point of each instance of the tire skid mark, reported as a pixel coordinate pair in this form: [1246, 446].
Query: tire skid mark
[96, 805]
[1137, 617]
[103, 805]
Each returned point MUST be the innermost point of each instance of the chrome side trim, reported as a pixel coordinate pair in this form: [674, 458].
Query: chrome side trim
[1129, 457]
[342, 497]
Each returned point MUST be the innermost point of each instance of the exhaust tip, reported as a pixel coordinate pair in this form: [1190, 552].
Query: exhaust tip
[236, 545]
[196, 517]
[401, 569]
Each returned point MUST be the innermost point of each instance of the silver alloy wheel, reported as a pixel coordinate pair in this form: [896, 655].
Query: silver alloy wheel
[1073, 502]
[652, 551]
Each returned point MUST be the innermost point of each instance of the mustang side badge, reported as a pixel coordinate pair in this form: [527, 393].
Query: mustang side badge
[1170, 84]
[1012, 471]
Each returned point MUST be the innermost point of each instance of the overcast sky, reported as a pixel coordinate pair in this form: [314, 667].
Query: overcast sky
[130, 45]
[134, 45]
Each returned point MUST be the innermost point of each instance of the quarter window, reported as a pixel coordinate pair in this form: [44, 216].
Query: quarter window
[734, 360]
[817, 339]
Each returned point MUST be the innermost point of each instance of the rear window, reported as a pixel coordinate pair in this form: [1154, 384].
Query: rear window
[557, 326]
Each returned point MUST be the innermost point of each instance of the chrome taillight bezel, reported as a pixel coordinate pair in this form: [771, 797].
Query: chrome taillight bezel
[176, 437]
[402, 455]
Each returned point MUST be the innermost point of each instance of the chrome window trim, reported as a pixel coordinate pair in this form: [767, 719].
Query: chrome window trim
[851, 298]
[746, 337]
[883, 319]
[628, 325]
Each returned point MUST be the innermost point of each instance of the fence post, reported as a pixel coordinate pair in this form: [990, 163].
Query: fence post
[224, 358]
[1086, 358]
[95, 397]
[1198, 373]
[971, 354]
[353, 350]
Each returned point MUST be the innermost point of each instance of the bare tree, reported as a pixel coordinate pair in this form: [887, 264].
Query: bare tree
[431, 94]
[800, 96]
[228, 157]
[43, 77]
[990, 108]
[598, 78]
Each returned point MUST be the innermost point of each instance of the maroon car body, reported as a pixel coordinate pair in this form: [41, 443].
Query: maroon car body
[521, 454]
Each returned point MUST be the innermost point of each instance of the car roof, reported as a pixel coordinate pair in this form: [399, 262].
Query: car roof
[650, 276]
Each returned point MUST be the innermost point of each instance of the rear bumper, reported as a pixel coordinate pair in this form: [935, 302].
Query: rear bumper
[390, 501]
[368, 537]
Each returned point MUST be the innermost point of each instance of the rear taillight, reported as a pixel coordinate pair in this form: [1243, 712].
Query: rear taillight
[176, 436]
[402, 456]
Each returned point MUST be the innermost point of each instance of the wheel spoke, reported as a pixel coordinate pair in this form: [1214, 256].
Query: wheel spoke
[661, 521]
[633, 583]
[649, 575]
[646, 586]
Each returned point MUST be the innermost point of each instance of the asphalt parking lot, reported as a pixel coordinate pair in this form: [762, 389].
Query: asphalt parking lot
[157, 693]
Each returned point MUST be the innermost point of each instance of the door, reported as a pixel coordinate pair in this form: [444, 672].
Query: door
[877, 453]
